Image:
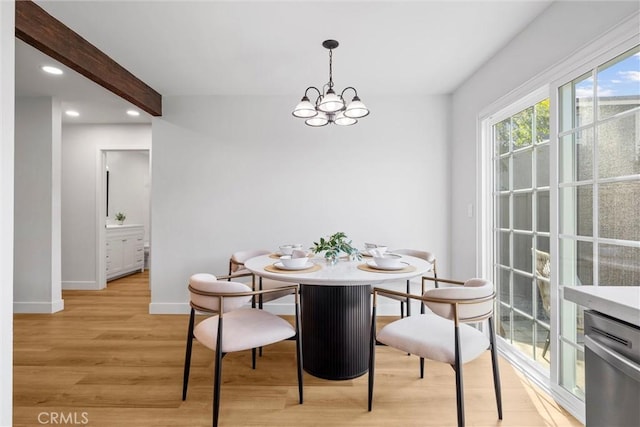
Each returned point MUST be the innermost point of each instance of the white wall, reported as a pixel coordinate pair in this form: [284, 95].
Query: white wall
[129, 187]
[7, 89]
[81, 145]
[232, 173]
[37, 276]
[559, 31]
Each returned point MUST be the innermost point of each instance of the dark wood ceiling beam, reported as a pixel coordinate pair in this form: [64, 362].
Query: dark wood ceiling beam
[36, 27]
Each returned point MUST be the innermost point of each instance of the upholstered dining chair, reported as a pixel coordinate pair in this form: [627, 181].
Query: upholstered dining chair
[443, 334]
[425, 255]
[236, 266]
[235, 327]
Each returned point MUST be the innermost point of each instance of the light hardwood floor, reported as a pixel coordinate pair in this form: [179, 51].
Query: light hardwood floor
[106, 361]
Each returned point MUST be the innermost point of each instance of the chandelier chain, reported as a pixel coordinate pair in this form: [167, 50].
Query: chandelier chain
[330, 68]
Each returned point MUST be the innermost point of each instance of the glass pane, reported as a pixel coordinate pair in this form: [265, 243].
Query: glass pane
[619, 147]
[522, 211]
[618, 265]
[522, 170]
[502, 174]
[566, 99]
[583, 89]
[523, 128]
[542, 243]
[502, 133]
[504, 289]
[503, 247]
[542, 166]
[576, 263]
[523, 334]
[503, 211]
[572, 370]
[503, 327]
[522, 255]
[542, 120]
[542, 211]
[619, 210]
[576, 156]
[618, 88]
[522, 293]
[585, 264]
[576, 212]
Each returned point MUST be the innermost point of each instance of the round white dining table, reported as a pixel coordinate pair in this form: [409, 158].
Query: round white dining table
[336, 310]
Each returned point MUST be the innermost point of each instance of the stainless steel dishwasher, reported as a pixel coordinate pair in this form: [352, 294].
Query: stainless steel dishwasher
[612, 371]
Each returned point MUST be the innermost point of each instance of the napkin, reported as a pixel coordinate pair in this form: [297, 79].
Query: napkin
[297, 253]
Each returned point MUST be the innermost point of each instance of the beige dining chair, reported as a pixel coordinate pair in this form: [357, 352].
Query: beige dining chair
[425, 255]
[443, 334]
[236, 266]
[234, 327]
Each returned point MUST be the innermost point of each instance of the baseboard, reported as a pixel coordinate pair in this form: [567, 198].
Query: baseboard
[169, 308]
[38, 307]
[80, 286]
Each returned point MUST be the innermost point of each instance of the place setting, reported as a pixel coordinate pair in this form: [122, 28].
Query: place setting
[297, 261]
[385, 262]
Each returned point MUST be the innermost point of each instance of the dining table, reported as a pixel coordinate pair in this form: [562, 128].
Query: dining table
[336, 308]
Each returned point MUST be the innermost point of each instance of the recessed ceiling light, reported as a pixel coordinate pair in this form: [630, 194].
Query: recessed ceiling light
[51, 70]
[72, 113]
[133, 113]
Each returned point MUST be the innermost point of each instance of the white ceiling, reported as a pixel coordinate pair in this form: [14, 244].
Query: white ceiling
[267, 47]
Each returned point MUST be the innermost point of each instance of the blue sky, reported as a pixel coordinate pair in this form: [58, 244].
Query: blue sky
[619, 79]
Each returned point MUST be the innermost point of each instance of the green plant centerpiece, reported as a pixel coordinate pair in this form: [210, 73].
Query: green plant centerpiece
[120, 217]
[334, 245]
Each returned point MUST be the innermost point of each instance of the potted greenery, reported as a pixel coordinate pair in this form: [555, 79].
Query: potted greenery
[333, 246]
[120, 217]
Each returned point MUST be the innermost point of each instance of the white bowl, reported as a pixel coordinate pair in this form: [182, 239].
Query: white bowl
[388, 261]
[289, 262]
[286, 249]
[381, 250]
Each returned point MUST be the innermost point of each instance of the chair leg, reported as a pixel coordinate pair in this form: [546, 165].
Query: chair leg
[408, 299]
[422, 367]
[253, 358]
[494, 363]
[458, 369]
[372, 357]
[299, 355]
[402, 309]
[217, 375]
[187, 357]
[546, 344]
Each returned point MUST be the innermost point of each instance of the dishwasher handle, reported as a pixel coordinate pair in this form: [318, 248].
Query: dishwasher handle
[618, 361]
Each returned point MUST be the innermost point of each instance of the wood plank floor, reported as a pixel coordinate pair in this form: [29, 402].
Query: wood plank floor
[106, 361]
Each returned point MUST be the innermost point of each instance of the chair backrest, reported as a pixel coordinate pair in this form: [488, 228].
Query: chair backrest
[427, 256]
[204, 282]
[472, 288]
[240, 257]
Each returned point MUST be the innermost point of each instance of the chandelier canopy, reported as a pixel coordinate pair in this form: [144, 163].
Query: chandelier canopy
[330, 107]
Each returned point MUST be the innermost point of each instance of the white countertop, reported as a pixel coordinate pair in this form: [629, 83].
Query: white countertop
[620, 302]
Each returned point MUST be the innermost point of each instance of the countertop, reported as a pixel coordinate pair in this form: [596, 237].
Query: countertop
[620, 302]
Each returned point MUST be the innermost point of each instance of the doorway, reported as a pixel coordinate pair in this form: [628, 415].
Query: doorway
[124, 187]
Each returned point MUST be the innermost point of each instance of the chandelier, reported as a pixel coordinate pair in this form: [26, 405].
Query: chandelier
[330, 107]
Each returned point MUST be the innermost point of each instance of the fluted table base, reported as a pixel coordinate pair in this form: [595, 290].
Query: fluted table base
[335, 330]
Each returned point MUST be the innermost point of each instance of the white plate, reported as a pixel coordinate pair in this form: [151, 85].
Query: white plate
[281, 266]
[373, 264]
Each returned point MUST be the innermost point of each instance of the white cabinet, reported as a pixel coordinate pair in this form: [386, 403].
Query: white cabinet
[125, 250]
